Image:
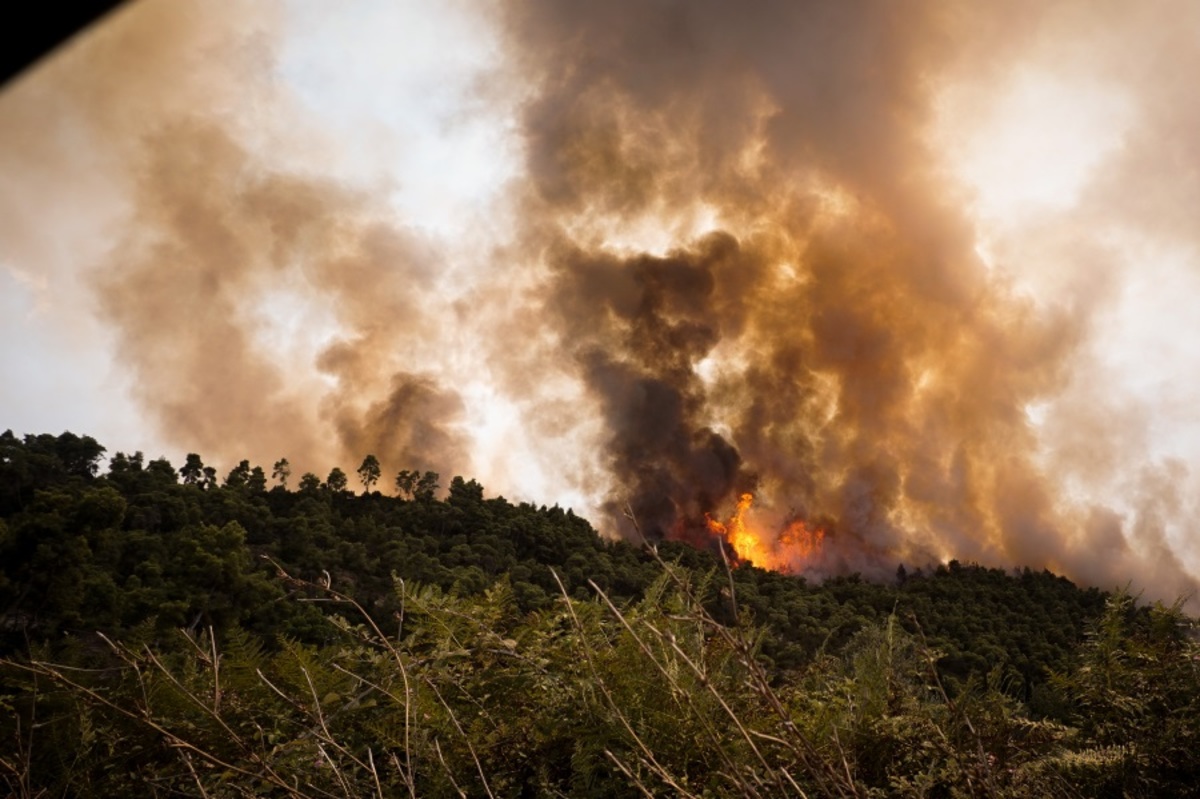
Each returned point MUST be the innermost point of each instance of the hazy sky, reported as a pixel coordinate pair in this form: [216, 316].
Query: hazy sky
[316, 230]
[386, 85]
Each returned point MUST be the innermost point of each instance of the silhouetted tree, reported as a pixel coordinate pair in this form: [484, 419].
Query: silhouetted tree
[192, 471]
[258, 480]
[282, 471]
[369, 472]
[239, 476]
[336, 480]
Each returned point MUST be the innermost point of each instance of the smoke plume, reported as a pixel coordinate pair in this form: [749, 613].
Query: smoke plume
[834, 342]
[735, 258]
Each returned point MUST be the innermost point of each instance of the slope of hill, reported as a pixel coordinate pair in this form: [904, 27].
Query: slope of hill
[234, 637]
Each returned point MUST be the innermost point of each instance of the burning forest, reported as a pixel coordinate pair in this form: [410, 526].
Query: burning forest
[886, 307]
[731, 286]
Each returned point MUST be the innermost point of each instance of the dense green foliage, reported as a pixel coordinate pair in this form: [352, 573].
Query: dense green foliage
[223, 637]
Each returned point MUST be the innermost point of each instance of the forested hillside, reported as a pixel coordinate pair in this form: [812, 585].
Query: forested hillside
[214, 635]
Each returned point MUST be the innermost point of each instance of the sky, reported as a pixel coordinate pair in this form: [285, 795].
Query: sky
[923, 274]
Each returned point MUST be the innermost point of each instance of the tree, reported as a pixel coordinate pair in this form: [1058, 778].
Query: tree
[258, 480]
[162, 469]
[336, 480]
[369, 472]
[79, 456]
[309, 482]
[120, 463]
[239, 476]
[465, 492]
[192, 471]
[417, 485]
[282, 471]
[427, 486]
[405, 481]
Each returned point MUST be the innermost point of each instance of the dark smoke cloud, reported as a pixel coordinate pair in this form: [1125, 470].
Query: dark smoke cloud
[837, 346]
[636, 329]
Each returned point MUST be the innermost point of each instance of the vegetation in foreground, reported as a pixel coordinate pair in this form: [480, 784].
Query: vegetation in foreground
[168, 632]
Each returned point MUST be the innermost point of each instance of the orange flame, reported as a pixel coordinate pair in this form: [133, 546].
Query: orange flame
[796, 542]
[801, 540]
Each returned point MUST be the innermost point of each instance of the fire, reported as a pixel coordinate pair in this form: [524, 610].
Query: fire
[801, 540]
[795, 543]
[745, 543]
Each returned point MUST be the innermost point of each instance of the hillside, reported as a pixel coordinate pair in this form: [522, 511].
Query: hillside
[220, 635]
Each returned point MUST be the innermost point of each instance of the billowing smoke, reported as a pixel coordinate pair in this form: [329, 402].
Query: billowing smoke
[264, 309]
[217, 236]
[735, 258]
[835, 345]
[819, 327]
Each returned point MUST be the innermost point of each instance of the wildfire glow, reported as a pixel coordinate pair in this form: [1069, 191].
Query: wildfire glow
[796, 543]
[800, 541]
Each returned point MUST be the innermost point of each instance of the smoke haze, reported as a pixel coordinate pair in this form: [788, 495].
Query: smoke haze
[846, 257]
